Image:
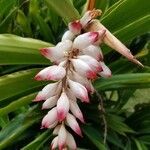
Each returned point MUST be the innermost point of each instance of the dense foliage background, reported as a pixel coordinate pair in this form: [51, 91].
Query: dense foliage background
[126, 95]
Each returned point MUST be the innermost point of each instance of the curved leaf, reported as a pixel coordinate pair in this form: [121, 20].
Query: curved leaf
[125, 13]
[18, 50]
[94, 136]
[64, 8]
[134, 29]
[137, 80]
[17, 127]
[17, 83]
[38, 142]
[17, 104]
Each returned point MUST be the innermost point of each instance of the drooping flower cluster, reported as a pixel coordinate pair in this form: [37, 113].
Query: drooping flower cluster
[78, 59]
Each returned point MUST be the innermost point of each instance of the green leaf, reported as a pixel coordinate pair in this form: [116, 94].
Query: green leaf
[124, 96]
[6, 6]
[136, 80]
[23, 22]
[145, 139]
[116, 123]
[126, 13]
[39, 141]
[126, 20]
[113, 138]
[134, 29]
[5, 24]
[17, 127]
[18, 50]
[64, 8]
[17, 104]
[102, 4]
[94, 136]
[140, 145]
[18, 83]
[45, 30]
[4, 120]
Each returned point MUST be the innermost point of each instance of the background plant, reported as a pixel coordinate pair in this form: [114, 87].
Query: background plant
[127, 113]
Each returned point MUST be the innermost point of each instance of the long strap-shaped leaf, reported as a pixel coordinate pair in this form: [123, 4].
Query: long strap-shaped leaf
[17, 128]
[126, 12]
[18, 83]
[136, 80]
[18, 50]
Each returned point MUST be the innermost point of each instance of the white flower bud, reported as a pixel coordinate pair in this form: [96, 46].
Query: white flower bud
[50, 118]
[84, 40]
[57, 53]
[51, 73]
[48, 91]
[83, 69]
[79, 91]
[94, 51]
[71, 121]
[93, 63]
[68, 35]
[106, 73]
[62, 136]
[75, 27]
[62, 106]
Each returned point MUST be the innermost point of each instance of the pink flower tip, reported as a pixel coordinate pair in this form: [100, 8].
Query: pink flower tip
[44, 51]
[82, 119]
[61, 116]
[42, 127]
[61, 146]
[86, 98]
[99, 69]
[38, 98]
[75, 27]
[78, 131]
[37, 77]
[91, 75]
[94, 36]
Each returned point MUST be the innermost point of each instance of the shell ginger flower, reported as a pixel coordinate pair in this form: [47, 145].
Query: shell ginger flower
[78, 60]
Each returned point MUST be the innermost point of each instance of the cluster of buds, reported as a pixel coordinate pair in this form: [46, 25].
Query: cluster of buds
[78, 60]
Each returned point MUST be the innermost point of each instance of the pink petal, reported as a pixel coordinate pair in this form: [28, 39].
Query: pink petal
[79, 90]
[48, 91]
[50, 102]
[93, 51]
[83, 69]
[93, 63]
[50, 118]
[62, 136]
[71, 121]
[54, 143]
[68, 35]
[84, 40]
[70, 142]
[106, 73]
[62, 106]
[74, 108]
[75, 27]
[51, 73]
